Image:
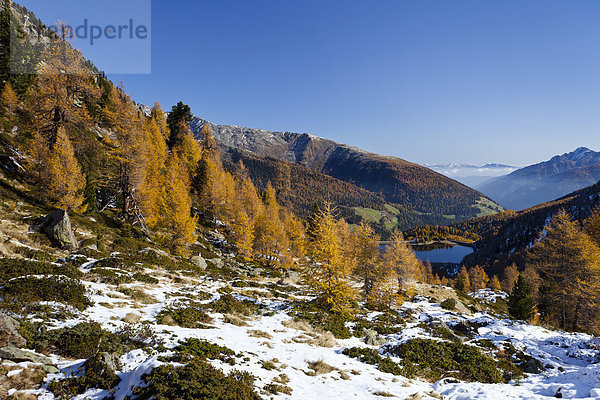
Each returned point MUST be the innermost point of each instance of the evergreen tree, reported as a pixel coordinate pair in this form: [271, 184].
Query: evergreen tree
[521, 304]
[178, 123]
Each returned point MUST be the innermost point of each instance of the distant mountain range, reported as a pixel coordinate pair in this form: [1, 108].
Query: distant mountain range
[505, 237]
[417, 194]
[545, 181]
[472, 175]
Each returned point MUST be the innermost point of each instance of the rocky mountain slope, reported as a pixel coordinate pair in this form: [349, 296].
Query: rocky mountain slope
[397, 181]
[545, 181]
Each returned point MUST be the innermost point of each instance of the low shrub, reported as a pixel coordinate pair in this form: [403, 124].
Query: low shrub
[81, 341]
[196, 380]
[95, 375]
[111, 276]
[206, 350]
[371, 356]
[323, 319]
[435, 360]
[227, 304]
[15, 267]
[22, 291]
[448, 304]
[190, 316]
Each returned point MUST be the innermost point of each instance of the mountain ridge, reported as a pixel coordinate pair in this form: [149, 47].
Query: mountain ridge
[545, 181]
[394, 179]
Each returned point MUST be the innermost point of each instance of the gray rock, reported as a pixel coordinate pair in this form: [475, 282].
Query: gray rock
[50, 369]
[9, 335]
[57, 226]
[18, 355]
[532, 366]
[372, 338]
[103, 363]
[199, 262]
[290, 278]
[217, 262]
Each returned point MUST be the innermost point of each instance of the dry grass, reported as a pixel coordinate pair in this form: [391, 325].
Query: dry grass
[131, 318]
[298, 324]
[319, 368]
[234, 319]
[383, 394]
[259, 334]
[28, 379]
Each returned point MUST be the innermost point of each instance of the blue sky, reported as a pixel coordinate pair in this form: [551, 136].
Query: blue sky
[506, 81]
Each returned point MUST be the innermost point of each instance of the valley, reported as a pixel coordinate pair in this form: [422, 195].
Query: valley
[147, 253]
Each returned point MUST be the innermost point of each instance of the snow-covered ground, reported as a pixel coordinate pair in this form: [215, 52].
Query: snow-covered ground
[571, 360]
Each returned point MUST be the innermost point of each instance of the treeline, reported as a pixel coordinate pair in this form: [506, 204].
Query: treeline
[430, 233]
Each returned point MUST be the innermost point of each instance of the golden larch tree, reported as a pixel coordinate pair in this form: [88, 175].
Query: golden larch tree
[177, 219]
[401, 257]
[328, 271]
[62, 174]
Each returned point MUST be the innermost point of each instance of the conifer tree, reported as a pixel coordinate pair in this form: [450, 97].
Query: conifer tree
[509, 278]
[494, 284]
[568, 262]
[385, 289]
[177, 203]
[270, 236]
[592, 225]
[62, 175]
[478, 278]
[328, 272]
[243, 234]
[521, 304]
[296, 233]
[366, 256]
[150, 191]
[9, 100]
[178, 122]
[399, 256]
[463, 283]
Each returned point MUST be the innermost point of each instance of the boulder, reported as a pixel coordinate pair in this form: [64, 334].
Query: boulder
[18, 355]
[217, 262]
[372, 338]
[532, 366]
[101, 371]
[57, 226]
[199, 262]
[9, 335]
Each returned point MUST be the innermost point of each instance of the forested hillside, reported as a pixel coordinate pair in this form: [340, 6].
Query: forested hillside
[429, 197]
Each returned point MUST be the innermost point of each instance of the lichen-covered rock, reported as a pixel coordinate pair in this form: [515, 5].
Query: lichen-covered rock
[9, 335]
[19, 355]
[199, 262]
[57, 226]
